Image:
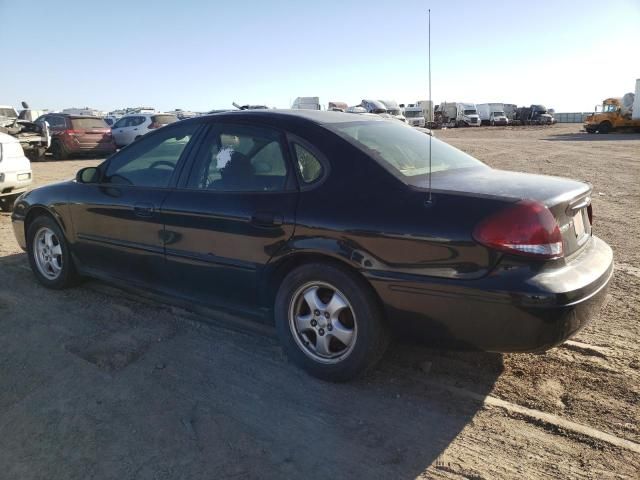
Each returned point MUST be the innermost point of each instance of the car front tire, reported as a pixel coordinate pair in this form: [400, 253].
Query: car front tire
[49, 255]
[329, 322]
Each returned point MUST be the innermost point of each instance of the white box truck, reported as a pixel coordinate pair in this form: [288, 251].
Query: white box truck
[306, 103]
[492, 114]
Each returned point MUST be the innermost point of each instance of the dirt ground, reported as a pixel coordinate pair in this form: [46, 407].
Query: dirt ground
[98, 382]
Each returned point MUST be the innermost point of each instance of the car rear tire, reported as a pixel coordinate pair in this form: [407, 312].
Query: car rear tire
[59, 151]
[329, 322]
[49, 254]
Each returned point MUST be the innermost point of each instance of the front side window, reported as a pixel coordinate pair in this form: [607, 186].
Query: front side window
[151, 161]
[403, 149]
[237, 158]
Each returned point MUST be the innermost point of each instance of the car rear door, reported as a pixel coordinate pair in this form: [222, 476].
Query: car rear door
[232, 212]
[117, 224]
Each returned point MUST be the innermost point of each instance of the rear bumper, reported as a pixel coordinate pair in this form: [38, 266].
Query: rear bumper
[513, 309]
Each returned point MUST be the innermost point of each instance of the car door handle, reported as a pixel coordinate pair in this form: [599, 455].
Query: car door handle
[143, 209]
[266, 219]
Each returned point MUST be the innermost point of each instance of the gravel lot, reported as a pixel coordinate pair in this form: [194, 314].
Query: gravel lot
[97, 382]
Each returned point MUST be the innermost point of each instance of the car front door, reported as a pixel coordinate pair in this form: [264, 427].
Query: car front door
[233, 211]
[117, 224]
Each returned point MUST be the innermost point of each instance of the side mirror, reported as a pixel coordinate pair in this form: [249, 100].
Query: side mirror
[88, 175]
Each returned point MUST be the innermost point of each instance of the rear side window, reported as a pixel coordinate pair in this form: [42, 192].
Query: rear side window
[309, 166]
[164, 119]
[87, 123]
[57, 122]
[239, 158]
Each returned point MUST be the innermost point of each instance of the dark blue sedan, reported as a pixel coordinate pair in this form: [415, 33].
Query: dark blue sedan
[324, 223]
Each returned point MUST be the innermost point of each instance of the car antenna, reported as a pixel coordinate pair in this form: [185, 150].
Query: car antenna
[430, 113]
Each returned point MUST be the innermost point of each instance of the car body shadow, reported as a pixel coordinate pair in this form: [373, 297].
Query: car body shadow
[591, 137]
[122, 384]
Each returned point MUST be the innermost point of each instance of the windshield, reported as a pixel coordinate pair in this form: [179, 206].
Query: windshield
[394, 111]
[403, 150]
[8, 112]
[413, 114]
[498, 114]
[470, 112]
[608, 107]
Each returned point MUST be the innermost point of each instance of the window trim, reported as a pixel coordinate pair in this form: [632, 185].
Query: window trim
[210, 130]
[184, 159]
[324, 162]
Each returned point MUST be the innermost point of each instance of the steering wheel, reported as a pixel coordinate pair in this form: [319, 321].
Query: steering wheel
[160, 163]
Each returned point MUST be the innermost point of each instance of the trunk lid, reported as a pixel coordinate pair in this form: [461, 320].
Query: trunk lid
[568, 200]
[91, 131]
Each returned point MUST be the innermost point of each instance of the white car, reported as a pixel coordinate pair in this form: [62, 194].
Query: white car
[135, 125]
[15, 171]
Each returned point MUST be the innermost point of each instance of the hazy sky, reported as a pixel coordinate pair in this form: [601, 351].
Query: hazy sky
[201, 55]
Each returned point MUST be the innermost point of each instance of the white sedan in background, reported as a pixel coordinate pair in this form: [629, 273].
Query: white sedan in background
[15, 171]
[135, 125]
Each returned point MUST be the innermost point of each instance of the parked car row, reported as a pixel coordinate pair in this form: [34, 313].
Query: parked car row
[86, 135]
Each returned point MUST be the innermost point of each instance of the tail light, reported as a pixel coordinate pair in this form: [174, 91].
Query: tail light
[526, 228]
[72, 132]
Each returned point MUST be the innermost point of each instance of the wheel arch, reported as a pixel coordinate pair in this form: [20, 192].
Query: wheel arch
[279, 269]
[40, 210]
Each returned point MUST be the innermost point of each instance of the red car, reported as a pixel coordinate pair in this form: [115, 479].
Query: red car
[78, 135]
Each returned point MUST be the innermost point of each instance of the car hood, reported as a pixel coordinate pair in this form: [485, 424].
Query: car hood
[511, 186]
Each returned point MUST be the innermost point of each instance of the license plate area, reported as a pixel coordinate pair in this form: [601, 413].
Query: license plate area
[581, 225]
[24, 176]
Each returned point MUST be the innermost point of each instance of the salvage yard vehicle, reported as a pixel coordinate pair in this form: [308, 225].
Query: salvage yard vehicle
[393, 109]
[15, 171]
[34, 138]
[459, 114]
[131, 127]
[616, 114]
[414, 115]
[77, 135]
[279, 214]
[492, 114]
[533, 115]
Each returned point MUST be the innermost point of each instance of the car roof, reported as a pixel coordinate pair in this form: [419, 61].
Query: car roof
[319, 117]
[69, 115]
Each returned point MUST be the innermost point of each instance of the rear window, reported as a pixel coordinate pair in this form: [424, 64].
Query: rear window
[164, 119]
[86, 123]
[403, 149]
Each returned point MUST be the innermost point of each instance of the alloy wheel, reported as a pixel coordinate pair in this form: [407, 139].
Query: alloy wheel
[322, 322]
[47, 253]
